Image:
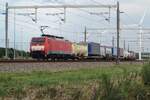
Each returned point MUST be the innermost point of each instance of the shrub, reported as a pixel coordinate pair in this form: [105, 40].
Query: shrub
[110, 90]
[146, 74]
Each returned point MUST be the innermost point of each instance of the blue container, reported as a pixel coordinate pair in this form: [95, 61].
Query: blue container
[93, 49]
[114, 51]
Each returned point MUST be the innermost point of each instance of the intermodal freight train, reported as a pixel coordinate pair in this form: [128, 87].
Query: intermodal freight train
[54, 47]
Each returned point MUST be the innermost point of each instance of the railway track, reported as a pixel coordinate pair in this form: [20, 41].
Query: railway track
[34, 65]
[45, 61]
[36, 61]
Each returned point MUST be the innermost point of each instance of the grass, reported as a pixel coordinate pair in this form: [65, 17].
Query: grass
[146, 74]
[16, 83]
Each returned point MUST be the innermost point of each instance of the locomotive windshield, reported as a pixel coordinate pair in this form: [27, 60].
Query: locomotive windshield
[38, 40]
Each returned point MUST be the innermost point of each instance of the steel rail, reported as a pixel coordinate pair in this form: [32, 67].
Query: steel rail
[59, 61]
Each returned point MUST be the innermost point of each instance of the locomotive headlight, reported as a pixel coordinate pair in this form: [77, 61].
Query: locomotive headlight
[37, 48]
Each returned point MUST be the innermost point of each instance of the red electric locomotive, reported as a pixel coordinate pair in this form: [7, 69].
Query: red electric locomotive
[49, 46]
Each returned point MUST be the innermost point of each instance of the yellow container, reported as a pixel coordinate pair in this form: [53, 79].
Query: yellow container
[79, 49]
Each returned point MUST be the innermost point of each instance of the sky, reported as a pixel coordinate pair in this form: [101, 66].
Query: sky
[76, 20]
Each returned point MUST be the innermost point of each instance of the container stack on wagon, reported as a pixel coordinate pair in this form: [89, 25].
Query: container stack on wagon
[132, 55]
[93, 50]
[121, 53]
[126, 55]
[114, 52]
[102, 52]
[108, 51]
[46, 47]
[79, 50]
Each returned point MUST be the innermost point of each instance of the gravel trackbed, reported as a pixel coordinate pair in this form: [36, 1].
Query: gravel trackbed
[55, 66]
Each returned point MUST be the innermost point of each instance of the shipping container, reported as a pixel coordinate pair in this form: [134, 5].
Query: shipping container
[121, 52]
[93, 49]
[84, 48]
[102, 51]
[75, 49]
[132, 55]
[108, 51]
[79, 49]
[126, 54]
[114, 52]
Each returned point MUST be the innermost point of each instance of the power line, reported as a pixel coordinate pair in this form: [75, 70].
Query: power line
[53, 22]
[81, 17]
[86, 12]
[21, 21]
[96, 2]
[96, 14]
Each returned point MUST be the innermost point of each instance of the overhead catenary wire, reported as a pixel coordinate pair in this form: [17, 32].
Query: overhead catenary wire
[22, 21]
[88, 12]
[84, 17]
[81, 17]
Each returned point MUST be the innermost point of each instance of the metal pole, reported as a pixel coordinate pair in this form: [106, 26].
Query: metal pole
[85, 33]
[128, 47]
[124, 44]
[14, 34]
[6, 32]
[109, 14]
[22, 43]
[64, 15]
[118, 32]
[140, 43]
[113, 42]
[35, 15]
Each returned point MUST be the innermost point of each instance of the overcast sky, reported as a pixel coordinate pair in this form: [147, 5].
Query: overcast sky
[76, 20]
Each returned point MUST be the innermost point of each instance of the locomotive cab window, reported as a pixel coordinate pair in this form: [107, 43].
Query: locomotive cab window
[38, 40]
